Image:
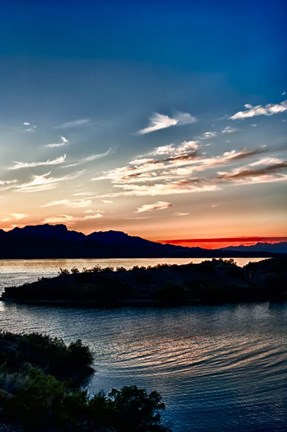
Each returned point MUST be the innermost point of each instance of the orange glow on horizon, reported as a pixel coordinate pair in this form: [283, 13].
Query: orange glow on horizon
[215, 243]
[139, 231]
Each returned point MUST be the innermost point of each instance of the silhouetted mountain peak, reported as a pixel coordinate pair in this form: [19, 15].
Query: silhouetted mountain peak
[47, 231]
[2, 233]
[117, 238]
[57, 241]
[44, 229]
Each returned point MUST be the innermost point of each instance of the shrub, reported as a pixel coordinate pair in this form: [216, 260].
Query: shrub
[136, 411]
[33, 392]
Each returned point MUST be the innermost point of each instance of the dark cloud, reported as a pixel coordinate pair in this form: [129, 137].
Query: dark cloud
[246, 172]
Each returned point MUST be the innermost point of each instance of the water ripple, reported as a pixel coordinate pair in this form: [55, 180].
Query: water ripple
[218, 368]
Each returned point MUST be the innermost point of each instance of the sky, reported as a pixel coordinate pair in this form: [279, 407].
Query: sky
[161, 119]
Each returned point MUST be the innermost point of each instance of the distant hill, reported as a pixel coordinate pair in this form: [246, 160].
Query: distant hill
[56, 241]
[278, 248]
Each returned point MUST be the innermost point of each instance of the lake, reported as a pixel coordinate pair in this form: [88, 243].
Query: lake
[218, 368]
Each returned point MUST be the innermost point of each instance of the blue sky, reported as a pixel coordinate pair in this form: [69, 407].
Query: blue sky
[163, 119]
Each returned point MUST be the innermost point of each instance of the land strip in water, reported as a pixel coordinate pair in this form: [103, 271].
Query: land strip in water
[210, 282]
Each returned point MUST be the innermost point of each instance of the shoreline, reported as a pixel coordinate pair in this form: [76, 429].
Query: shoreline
[209, 282]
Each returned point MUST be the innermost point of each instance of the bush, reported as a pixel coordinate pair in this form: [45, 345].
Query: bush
[35, 393]
[43, 400]
[136, 411]
[37, 403]
[42, 351]
[79, 354]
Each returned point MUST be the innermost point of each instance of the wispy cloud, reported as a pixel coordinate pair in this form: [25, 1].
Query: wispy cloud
[7, 182]
[87, 159]
[69, 203]
[258, 110]
[64, 141]
[71, 220]
[172, 169]
[28, 127]
[59, 219]
[44, 182]
[159, 205]
[190, 172]
[161, 121]
[82, 194]
[186, 161]
[182, 214]
[14, 216]
[229, 130]
[19, 165]
[176, 150]
[265, 171]
[19, 216]
[164, 188]
[73, 123]
[208, 135]
[268, 161]
[92, 216]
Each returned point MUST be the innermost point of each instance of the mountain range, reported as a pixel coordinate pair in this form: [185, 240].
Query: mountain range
[277, 248]
[56, 241]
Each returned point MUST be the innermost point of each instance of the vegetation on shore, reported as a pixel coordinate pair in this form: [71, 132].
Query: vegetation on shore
[210, 282]
[39, 392]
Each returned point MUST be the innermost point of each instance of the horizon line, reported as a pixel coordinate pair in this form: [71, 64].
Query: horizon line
[244, 239]
[225, 239]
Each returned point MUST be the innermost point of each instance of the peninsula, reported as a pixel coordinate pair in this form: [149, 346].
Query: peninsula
[210, 282]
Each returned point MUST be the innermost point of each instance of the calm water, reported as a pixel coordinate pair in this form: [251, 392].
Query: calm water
[221, 368]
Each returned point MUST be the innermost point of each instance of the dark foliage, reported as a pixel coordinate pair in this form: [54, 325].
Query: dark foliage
[49, 354]
[215, 281]
[35, 393]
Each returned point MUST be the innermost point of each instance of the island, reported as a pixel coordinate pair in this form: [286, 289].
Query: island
[211, 282]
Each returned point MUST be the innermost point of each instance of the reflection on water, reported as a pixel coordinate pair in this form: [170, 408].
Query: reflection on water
[221, 368]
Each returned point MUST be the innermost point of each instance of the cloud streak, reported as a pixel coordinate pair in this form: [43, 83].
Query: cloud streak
[71, 220]
[161, 121]
[88, 159]
[74, 123]
[159, 205]
[20, 165]
[186, 160]
[186, 168]
[258, 110]
[44, 182]
[261, 174]
[64, 141]
[7, 182]
[19, 216]
[69, 203]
